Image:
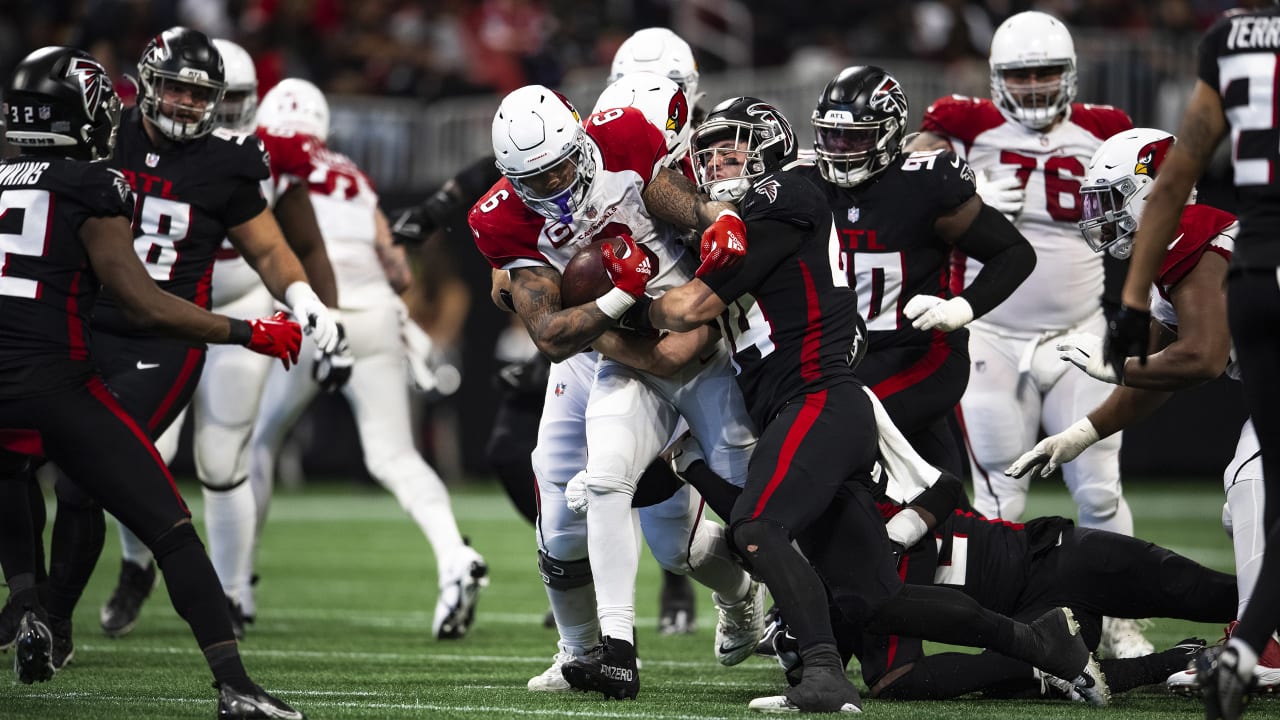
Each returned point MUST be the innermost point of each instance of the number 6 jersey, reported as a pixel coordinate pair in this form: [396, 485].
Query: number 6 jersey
[188, 195]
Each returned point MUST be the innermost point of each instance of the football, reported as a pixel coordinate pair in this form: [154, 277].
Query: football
[584, 278]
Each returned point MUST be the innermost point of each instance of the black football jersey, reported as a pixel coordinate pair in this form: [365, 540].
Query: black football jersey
[47, 287]
[800, 339]
[188, 195]
[1239, 56]
[889, 248]
[990, 560]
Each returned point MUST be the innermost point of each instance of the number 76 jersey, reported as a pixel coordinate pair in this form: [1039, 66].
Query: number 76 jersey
[188, 195]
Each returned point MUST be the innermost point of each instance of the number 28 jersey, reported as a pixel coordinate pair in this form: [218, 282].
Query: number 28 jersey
[188, 195]
[1065, 288]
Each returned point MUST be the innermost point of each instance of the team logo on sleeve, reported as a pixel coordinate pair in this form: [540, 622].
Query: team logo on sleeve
[888, 97]
[769, 189]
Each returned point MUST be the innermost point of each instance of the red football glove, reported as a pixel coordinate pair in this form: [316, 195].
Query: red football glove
[277, 336]
[723, 244]
[631, 271]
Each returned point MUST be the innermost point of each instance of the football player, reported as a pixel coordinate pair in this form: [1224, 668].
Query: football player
[294, 119]
[898, 255]
[566, 184]
[226, 401]
[809, 480]
[1029, 144]
[67, 217]
[1237, 63]
[1190, 329]
[194, 185]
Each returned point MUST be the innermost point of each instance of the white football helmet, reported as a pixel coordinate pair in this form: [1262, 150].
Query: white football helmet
[662, 101]
[542, 148]
[240, 103]
[1033, 40]
[661, 52]
[295, 105]
[1116, 186]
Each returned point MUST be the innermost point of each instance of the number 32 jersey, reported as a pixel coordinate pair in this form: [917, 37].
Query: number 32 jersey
[188, 195]
[1066, 286]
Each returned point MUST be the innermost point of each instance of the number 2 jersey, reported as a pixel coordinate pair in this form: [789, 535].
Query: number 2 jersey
[1240, 59]
[47, 287]
[1066, 286]
[188, 195]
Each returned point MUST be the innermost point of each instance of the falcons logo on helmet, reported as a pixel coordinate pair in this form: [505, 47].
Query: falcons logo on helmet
[93, 82]
[159, 50]
[769, 116]
[888, 97]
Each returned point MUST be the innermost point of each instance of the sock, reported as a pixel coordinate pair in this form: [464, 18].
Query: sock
[1246, 500]
[615, 560]
[193, 586]
[133, 549]
[78, 535]
[229, 521]
[17, 534]
[821, 655]
[228, 669]
[715, 566]
[575, 614]
[947, 675]
[422, 494]
[1124, 675]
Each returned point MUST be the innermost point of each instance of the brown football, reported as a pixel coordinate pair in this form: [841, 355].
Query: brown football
[584, 278]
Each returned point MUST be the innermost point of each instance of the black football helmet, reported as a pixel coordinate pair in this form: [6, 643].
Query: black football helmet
[62, 102]
[858, 125]
[186, 64]
[760, 140]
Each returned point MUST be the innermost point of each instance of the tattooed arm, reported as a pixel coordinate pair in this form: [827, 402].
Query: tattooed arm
[558, 332]
[670, 196]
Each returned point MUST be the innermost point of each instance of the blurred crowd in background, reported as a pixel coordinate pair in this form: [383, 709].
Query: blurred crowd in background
[432, 49]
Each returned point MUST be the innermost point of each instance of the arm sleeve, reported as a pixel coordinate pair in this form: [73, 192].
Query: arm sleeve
[769, 242]
[1007, 259]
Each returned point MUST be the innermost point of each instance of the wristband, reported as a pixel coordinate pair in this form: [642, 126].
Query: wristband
[615, 302]
[241, 332]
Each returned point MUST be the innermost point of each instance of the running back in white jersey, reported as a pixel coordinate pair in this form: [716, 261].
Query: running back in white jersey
[1066, 286]
[628, 152]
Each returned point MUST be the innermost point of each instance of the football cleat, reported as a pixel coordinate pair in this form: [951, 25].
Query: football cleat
[1062, 652]
[1122, 638]
[740, 627]
[253, 703]
[1091, 684]
[1266, 673]
[609, 668]
[1224, 685]
[677, 613]
[120, 613]
[773, 625]
[552, 679]
[33, 659]
[459, 591]
[63, 649]
[824, 690]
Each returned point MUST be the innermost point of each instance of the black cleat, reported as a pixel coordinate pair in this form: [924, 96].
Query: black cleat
[1225, 688]
[120, 613]
[63, 650]
[773, 624]
[1060, 651]
[33, 661]
[824, 689]
[255, 703]
[609, 668]
[677, 612]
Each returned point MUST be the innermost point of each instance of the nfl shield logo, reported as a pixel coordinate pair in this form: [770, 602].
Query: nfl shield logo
[854, 214]
[152, 159]
[45, 112]
[592, 213]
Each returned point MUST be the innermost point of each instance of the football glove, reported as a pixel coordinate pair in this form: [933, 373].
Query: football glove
[1084, 350]
[575, 493]
[332, 370]
[277, 336]
[312, 315]
[1054, 451]
[928, 312]
[1004, 193]
[723, 243]
[629, 271]
[1128, 335]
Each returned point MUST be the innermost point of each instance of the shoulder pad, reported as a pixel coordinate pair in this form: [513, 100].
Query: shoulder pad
[627, 141]
[1102, 121]
[960, 117]
[505, 230]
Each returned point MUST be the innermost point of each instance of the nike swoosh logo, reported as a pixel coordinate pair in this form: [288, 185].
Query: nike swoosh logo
[1175, 241]
[727, 649]
[1109, 167]
[147, 366]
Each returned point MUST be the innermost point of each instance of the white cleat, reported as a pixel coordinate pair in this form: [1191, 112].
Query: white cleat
[1122, 639]
[779, 704]
[1266, 674]
[740, 627]
[552, 679]
[459, 590]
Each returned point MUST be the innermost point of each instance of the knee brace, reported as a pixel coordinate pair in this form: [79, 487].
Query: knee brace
[564, 574]
[173, 540]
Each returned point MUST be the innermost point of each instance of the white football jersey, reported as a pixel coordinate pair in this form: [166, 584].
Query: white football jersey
[1066, 286]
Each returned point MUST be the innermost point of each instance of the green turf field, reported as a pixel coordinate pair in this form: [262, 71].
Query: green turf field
[344, 622]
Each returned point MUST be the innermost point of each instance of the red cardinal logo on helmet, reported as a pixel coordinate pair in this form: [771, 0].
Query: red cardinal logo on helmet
[677, 112]
[1151, 157]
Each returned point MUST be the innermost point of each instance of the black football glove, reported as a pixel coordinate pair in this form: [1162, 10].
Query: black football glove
[414, 225]
[332, 370]
[1128, 335]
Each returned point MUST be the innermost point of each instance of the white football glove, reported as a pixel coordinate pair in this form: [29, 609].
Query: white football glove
[418, 348]
[1004, 193]
[1052, 452]
[1084, 350]
[575, 493]
[927, 312]
[312, 315]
